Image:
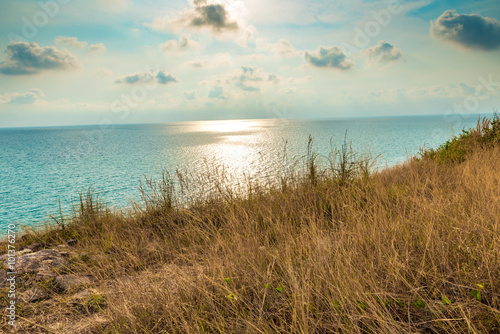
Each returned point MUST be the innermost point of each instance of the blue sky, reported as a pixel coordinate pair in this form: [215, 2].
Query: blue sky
[65, 62]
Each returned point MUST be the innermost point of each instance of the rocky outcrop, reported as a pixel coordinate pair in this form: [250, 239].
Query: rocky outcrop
[41, 261]
[68, 282]
[33, 295]
[44, 265]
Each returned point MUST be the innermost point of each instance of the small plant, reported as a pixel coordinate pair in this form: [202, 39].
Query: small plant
[96, 302]
[362, 305]
[476, 294]
[158, 197]
[419, 303]
[312, 169]
[445, 300]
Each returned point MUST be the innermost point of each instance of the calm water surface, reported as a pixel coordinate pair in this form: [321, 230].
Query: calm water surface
[40, 166]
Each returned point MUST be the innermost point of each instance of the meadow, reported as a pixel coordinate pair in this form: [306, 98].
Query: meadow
[331, 246]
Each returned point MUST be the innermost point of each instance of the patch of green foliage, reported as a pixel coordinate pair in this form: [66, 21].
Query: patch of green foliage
[487, 132]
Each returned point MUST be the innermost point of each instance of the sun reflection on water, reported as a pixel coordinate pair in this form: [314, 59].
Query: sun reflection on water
[240, 149]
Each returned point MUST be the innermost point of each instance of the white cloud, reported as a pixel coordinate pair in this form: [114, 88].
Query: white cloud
[190, 95]
[99, 47]
[281, 48]
[185, 43]
[104, 72]
[382, 53]
[222, 20]
[328, 57]
[245, 79]
[222, 59]
[70, 41]
[216, 92]
[22, 98]
[29, 58]
[161, 77]
[472, 31]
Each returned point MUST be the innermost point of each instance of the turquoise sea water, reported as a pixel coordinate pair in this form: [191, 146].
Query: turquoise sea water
[41, 166]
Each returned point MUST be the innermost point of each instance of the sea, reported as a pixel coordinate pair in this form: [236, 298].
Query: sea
[43, 171]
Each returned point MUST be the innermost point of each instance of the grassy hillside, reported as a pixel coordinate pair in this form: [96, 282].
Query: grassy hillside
[335, 249]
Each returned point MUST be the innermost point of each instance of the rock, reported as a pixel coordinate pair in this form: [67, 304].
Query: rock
[37, 246]
[67, 282]
[33, 295]
[34, 246]
[83, 294]
[3, 277]
[71, 242]
[24, 251]
[44, 260]
[4, 257]
[45, 275]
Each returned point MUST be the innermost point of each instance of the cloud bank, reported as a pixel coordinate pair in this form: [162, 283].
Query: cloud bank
[471, 31]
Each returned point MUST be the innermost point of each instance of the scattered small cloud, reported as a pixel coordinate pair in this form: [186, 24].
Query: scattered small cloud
[199, 63]
[246, 79]
[185, 43]
[251, 79]
[282, 48]
[288, 91]
[471, 31]
[191, 95]
[161, 77]
[70, 41]
[29, 58]
[331, 57]
[222, 59]
[99, 47]
[216, 92]
[22, 98]
[165, 78]
[135, 78]
[383, 53]
[73, 42]
[104, 72]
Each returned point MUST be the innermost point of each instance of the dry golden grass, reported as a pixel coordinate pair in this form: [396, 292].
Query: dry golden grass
[411, 249]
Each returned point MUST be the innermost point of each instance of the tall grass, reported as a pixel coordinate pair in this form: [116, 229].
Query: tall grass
[411, 249]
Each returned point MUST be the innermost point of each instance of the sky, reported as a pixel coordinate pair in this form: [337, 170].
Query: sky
[72, 62]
